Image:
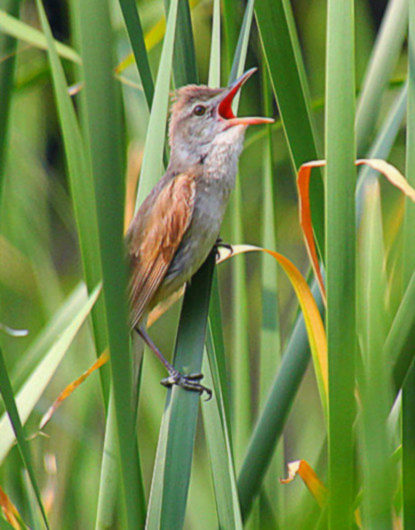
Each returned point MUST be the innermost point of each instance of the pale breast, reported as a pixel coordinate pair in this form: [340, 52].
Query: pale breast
[212, 195]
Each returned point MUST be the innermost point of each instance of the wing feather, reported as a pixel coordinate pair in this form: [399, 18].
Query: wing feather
[154, 237]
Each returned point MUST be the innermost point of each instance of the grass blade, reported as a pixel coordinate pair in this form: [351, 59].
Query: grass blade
[241, 373]
[340, 256]
[135, 34]
[184, 60]
[271, 422]
[82, 189]
[216, 427]
[104, 138]
[152, 167]
[19, 30]
[270, 340]
[175, 447]
[231, 19]
[408, 449]
[384, 58]
[401, 326]
[286, 70]
[409, 221]
[214, 61]
[408, 396]
[6, 391]
[375, 380]
[8, 45]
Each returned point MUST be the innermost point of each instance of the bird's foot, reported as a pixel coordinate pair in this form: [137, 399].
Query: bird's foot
[188, 382]
[221, 244]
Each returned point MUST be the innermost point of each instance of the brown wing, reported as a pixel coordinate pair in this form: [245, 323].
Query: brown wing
[154, 237]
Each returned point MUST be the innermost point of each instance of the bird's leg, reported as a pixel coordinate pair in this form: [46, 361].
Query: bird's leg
[219, 243]
[188, 382]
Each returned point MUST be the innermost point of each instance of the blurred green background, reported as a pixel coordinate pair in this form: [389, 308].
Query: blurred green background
[40, 261]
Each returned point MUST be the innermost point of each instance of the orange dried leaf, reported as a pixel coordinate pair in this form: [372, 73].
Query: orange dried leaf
[312, 318]
[102, 359]
[310, 479]
[394, 176]
[303, 184]
[316, 487]
[10, 511]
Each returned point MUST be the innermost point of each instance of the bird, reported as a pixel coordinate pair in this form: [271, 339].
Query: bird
[178, 224]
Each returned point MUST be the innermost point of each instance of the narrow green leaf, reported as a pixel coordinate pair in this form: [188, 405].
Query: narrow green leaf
[39, 378]
[408, 448]
[382, 145]
[232, 15]
[286, 70]
[82, 187]
[171, 473]
[270, 340]
[340, 256]
[384, 57]
[271, 421]
[241, 372]
[19, 30]
[214, 61]
[374, 381]
[135, 34]
[6, 391]
[408, 396]
[184, 60]
[103, 132]
[396, 348]
[152, 167]
[270, 337]
[216, 428]
[8, 46]
[409, 221]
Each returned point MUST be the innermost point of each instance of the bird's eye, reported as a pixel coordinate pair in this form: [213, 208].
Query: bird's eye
[199, 110]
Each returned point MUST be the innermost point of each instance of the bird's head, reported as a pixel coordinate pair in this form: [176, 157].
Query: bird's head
[202, 116]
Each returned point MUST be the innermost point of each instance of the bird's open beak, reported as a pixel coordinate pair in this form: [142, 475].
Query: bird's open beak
[225, 104]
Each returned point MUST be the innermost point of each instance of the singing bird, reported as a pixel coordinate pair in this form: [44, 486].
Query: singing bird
[178, 224]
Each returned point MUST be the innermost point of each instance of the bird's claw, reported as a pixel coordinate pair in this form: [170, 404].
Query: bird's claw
[188, 382]
[221, 244]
